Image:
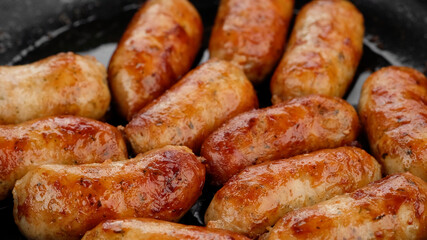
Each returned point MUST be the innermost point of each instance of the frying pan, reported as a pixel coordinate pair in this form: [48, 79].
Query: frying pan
[396, 34]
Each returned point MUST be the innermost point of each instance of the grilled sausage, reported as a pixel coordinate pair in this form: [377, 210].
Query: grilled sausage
[65, 83]
[393, 111]
[60, 140]
[193, 108]
[140, 229]
[323, 52]
[157, 48]
[295, 127]
[252, 34]
[391, 208]
[63, 202]
[260, 195]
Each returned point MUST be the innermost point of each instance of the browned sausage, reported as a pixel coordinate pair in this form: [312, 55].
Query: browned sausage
[323, 52]
[193, 108]
[158, 47]
[65, 83]
[260, 195]
[298, 126]
[60, 140]
[252, 34]
[392, 208]
[147, 229]
[63, 202]
[393, 110]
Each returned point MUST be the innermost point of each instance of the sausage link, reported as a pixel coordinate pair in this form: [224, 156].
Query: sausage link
[323, 52]
[157, 48]
[63, 202]
[295, 127]
[252, 34]
[193, 108]
[147, 229]
[391, 208]
[60, 140]
[393, 111]
[65, 83]
[260, 195]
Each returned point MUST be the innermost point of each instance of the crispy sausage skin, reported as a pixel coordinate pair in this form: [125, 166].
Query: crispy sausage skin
[391, 208]
[252, 34]
[260, 195]
[147, 229]
[323, 52]
[63, 202]
[193, 108]
[393, 111]
[60, 140]
[157, 48]
[65, 83]
[295, 127]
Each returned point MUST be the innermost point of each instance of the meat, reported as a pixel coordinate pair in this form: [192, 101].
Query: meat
[295, 127]
[391, 208]
[140, 229]
[63, 202]
[157, 48]
[60, 140]
[323, 53]
[251, 34]
[256, 198]
[393, 111]
[193, 108]
[65, 83]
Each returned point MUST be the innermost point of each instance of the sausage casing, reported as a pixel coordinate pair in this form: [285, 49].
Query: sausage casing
[393, 111]
[391, 208]
[157, 48]
[252, 34]
[147, 229]
[323, 53]
[63, 202]
[194, 107]
[60, 140]
[65, 83]
[295, 127]
[260, 195]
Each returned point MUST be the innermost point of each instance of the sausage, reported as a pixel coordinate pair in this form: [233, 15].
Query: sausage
[252, 34]
[65, 83]
[323, 53]
[393, 111]
[61, 140]
[391, 208]
[144, 228]
[193, 108]
[260, 195]
[295, 127]
[157, 48]
[63, 202]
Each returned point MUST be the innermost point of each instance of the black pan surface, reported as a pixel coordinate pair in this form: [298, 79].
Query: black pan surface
[396, 34]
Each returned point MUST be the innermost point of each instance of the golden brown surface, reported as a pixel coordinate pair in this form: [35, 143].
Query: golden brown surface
[147, 229]
[157, 48]
[65, 83]
[59, 140]
[392, 208]
[260, 195]
[323, 51]
[295, 127]
[194, 107]
[63, 202]
[252, 34]
[393, 110]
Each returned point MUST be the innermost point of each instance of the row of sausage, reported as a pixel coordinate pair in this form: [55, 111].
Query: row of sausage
[162, 41]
